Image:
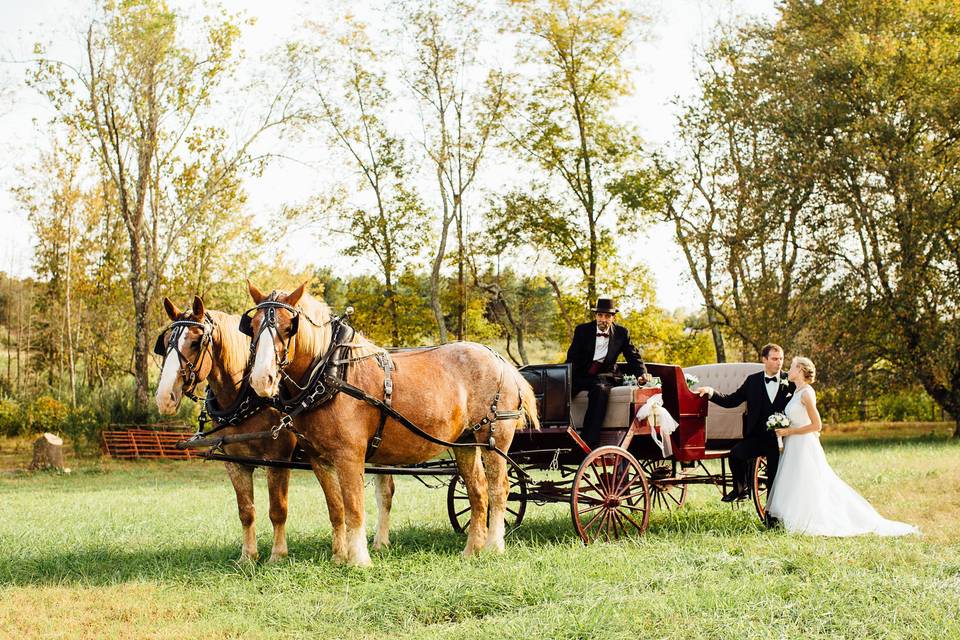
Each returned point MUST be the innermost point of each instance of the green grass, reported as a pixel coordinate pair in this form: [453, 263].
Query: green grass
[148, 550]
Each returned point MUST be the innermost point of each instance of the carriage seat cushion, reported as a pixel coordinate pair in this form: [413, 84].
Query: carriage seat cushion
[618, 410]
[725, 377]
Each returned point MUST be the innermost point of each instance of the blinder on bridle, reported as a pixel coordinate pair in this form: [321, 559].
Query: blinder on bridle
[188, 370]
[269, 308]
[269, 317]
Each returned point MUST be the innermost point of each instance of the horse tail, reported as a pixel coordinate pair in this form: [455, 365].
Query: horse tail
[528, 401]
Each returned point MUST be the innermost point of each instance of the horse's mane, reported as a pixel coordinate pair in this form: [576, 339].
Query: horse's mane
[319, 312]
[234, 346]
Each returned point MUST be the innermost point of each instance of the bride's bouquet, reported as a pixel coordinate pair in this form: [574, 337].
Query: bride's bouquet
[778, 421]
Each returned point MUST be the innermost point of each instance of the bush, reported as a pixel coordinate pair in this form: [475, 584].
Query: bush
[46, 414]
[11, 417]
[905, 405]
[83, 427]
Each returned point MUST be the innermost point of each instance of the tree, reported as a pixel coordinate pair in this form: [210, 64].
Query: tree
[140, 98]
[353, 102]
[458, 121]
[878, 87]
[566, 124]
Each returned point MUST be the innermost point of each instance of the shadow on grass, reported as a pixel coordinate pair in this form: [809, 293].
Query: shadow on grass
[199, 560]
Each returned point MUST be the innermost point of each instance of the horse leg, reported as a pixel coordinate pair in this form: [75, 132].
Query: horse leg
[331, 492]
[385, 488]
[242, 479]
[471, 470]
[278, 484]
[350, 475]
[495, 467]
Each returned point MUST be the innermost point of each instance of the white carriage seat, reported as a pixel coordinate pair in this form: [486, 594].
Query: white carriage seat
[618, 409]
[725, 377]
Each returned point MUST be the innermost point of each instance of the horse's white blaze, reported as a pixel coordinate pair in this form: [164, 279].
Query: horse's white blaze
[171, 383]
[263, 377]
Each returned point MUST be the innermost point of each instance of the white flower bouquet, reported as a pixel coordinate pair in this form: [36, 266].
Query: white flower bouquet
[778, 421]
[692, 381]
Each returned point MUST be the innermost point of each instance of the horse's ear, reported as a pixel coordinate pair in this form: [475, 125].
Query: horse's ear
[198, 309]
[294, 297]
[255, 293]
[171, 309]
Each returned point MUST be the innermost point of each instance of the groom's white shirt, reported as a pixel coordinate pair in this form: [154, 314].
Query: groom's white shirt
[772, 386]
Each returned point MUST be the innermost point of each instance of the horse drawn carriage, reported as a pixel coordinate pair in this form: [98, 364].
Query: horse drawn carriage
[653, 446]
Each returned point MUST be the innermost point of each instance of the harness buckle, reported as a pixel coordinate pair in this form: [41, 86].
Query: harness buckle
[285, 423]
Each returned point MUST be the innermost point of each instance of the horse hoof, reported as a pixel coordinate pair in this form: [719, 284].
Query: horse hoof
[249, 558]
[381, 546]
[277, 557]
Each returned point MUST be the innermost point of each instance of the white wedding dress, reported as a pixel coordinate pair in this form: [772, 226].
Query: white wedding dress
[808, 497]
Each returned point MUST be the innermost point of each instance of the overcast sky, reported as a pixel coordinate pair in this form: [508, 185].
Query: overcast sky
[666, 72]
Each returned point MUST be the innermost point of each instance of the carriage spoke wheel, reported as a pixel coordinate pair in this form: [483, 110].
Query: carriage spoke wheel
[760, 487]
[610, 497]
[664, 495]
[458, 502]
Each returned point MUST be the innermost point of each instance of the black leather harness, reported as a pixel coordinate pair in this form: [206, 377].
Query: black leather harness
[326, 377]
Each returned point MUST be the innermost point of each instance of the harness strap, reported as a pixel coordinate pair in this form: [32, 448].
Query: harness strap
[387, 365]
[360, 394]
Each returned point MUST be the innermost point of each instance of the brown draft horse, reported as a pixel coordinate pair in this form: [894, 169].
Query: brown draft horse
[444, 390]
[220, 360]
[218, 354]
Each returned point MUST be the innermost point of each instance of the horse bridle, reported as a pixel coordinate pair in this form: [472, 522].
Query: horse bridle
[269, 308]
[189, 371]
[270, 322]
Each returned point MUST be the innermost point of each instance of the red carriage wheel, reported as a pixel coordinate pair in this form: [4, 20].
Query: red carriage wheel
[610, 497]
[458, 503]
[667, 491]
[760, 487]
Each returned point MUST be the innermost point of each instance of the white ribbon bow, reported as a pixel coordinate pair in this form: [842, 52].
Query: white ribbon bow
[653, 412]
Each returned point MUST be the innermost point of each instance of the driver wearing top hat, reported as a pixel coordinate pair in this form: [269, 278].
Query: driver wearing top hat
[593, 353]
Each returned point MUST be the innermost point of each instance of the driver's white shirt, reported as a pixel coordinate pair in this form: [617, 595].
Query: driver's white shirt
[602, 346]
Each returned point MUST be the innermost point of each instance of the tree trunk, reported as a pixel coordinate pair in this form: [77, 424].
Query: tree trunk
[956, 430]
[141, 361]
[438, 262]
[47, 453]
[70, 360]
[717, 335]
[461, 289]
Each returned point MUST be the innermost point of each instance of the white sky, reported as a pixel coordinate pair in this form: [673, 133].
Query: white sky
[665, 64]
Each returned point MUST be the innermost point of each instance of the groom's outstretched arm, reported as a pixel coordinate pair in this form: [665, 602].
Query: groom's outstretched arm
[729, 400]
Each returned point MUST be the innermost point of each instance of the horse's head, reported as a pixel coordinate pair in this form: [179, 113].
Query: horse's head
[185, 346]
[273, 325]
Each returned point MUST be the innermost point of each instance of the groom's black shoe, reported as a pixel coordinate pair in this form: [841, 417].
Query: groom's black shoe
[771, 522]
[736, 495]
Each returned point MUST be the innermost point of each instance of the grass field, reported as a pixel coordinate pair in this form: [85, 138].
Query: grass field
[147, 550]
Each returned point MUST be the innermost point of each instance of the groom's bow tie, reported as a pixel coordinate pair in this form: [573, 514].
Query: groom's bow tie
[602, 334]
[767, 379]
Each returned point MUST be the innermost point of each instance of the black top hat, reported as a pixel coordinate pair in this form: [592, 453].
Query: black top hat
[605, 305]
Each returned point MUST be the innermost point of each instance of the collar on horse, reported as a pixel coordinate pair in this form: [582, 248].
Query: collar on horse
[189, 371]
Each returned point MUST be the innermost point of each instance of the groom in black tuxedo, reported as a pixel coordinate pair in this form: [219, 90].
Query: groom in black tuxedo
[765, 392]
[593, 353]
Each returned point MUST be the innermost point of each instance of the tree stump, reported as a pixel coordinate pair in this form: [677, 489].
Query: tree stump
[47, 452]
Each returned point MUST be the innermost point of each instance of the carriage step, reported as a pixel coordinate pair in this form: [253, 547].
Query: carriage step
[713, 454]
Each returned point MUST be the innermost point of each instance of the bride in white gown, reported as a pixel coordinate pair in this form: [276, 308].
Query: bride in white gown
[807, 496]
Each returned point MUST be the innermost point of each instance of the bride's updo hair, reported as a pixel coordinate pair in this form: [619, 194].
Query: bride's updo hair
[807, 367]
